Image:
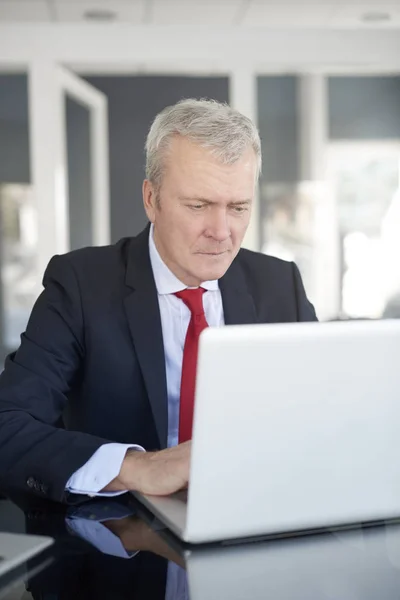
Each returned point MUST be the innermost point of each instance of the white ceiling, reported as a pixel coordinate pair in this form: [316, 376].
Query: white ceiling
[297, 14]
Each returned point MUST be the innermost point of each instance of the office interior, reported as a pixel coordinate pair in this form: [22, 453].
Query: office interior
[80, 85]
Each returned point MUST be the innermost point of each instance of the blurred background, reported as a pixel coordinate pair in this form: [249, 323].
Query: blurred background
[80, 83]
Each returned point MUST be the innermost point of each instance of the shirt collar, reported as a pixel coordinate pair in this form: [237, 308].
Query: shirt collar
[166, 282]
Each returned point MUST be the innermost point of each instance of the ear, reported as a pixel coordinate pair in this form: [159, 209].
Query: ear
[149, 199]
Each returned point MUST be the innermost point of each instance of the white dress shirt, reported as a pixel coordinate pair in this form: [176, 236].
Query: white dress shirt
[106, 462]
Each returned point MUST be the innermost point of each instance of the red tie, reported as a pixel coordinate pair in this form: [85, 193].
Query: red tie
[193, 298]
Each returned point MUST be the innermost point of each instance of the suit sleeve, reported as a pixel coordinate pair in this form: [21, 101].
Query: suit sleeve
[305, 310]
[36, 455]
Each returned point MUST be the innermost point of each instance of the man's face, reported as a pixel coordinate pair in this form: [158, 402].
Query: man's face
[203, 211]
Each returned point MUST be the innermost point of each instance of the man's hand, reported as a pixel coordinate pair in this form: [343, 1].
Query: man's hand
[157, 473]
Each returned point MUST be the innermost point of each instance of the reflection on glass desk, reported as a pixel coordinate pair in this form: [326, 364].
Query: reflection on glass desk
[105, 550]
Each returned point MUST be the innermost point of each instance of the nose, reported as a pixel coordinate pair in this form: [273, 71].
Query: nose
[218, 226]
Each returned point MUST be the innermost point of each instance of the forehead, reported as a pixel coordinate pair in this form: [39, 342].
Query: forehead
[192, 170]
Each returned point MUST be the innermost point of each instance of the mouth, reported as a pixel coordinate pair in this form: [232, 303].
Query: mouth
[212, 253]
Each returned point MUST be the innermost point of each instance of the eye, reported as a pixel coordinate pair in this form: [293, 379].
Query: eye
[196, 206]
[239, 209]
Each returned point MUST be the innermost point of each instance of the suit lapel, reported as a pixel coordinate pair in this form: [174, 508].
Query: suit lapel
[143, 314]
[239, 308]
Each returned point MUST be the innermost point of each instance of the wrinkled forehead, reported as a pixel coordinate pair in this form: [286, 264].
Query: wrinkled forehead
[196, 172]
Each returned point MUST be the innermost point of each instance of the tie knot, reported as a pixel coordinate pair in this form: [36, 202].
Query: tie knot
[193, 298]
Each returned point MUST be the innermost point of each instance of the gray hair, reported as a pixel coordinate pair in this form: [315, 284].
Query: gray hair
[211, 124]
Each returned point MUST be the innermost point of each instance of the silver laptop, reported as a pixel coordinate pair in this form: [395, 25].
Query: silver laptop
[296, 427]
[16, 548]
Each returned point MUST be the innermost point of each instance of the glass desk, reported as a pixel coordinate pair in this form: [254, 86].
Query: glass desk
[109, 549]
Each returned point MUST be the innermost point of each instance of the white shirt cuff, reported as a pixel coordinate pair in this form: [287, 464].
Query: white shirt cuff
[100, 470]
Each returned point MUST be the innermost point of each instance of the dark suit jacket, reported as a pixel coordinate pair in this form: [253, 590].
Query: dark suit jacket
[93, 354]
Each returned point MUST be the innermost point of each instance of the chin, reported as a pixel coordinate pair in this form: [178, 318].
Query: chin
[215, 273]
[211, 269]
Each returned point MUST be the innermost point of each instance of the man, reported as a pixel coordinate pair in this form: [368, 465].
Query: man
[106, 340]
